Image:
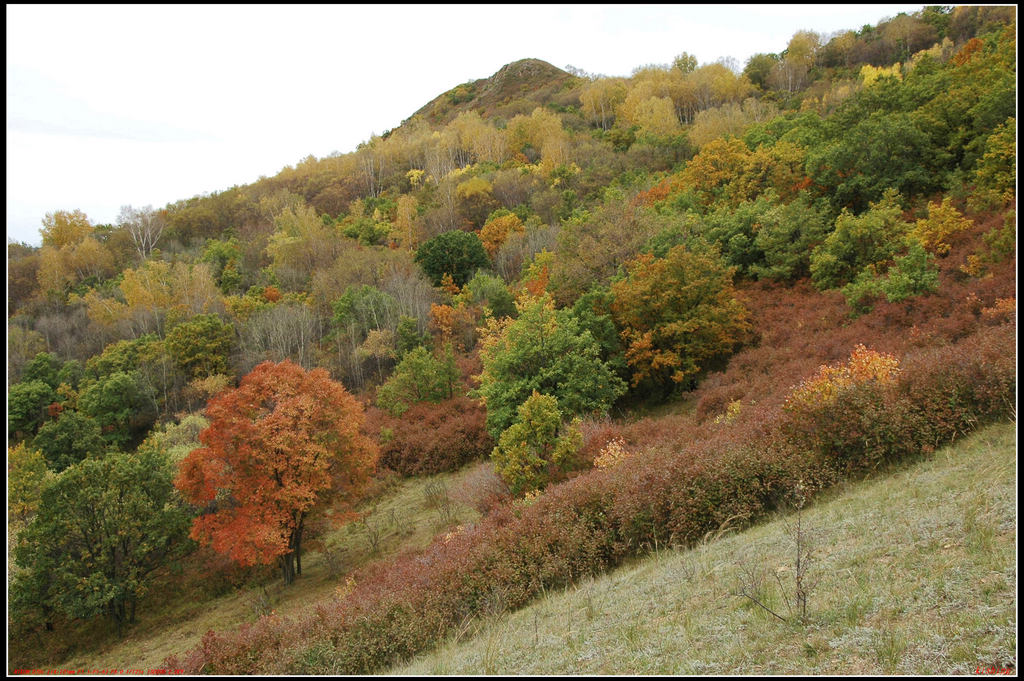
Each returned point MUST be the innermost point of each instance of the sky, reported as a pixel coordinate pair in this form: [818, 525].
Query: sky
[113, 105]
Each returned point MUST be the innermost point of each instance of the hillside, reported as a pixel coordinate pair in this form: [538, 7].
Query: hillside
[612, 315]
[914, 573]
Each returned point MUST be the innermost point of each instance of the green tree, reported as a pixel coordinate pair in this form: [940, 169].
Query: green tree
[124, 355]
[102, 527]
[408, 336]
[44, 367]
[786, 235]
[200, 346]
[26, 407]
[759, 67]
[68, 440]
[71, 374]
[543, 350]
[872, 238]
[491, 291]
[538, 447]
[119, 405]
[876, 152]
[419, 377]
[225, 257]
[457, 253]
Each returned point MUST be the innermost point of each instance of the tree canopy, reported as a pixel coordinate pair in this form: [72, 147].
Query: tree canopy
[275, 447]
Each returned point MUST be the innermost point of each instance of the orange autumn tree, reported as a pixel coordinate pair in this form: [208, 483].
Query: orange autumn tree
[277, 447]
[677, 314]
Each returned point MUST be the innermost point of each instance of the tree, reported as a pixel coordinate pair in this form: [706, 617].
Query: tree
[119, 404]
[759, 67]
[685, 62]
[145, 226]
[65, 228]
[68, 440]
[44, 367]
[301, 244]
[153, 292]
[858, 241]
[543, 350]
[876, 152]
[277, 447]
[497, 229]
[996, 171]
[27, 476]
[487, 289]
[676, 314]
[787, 235]
[537, 447]
[26, 407]
[102, 526]
[600, 99]
[419, 377]
[201, 345]
[455, 253]
[22, 345]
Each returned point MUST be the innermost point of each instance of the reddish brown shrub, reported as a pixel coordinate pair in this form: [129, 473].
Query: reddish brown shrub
[482, 489]
[596, 434]
[431, 438]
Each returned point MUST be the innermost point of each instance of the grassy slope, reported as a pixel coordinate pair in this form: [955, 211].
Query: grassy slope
[916, 574]
[404, 521]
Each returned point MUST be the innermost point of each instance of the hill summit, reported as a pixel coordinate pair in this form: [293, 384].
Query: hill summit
[516, 88]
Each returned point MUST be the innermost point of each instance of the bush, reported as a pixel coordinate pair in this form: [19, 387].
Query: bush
[433, 438]
[482, 489]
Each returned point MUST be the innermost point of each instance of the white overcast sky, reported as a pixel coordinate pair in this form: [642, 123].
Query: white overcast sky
[145, 105]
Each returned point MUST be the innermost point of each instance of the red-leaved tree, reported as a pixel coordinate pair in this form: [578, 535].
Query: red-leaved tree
[281, 443]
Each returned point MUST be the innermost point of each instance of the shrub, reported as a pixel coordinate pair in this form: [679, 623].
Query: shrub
[432, 438]
[482, 489]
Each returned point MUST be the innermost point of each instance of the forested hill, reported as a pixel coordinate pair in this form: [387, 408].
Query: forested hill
[612, 312]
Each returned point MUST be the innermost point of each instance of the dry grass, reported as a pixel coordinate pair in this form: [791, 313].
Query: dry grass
[403, 517]
[916, 574]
